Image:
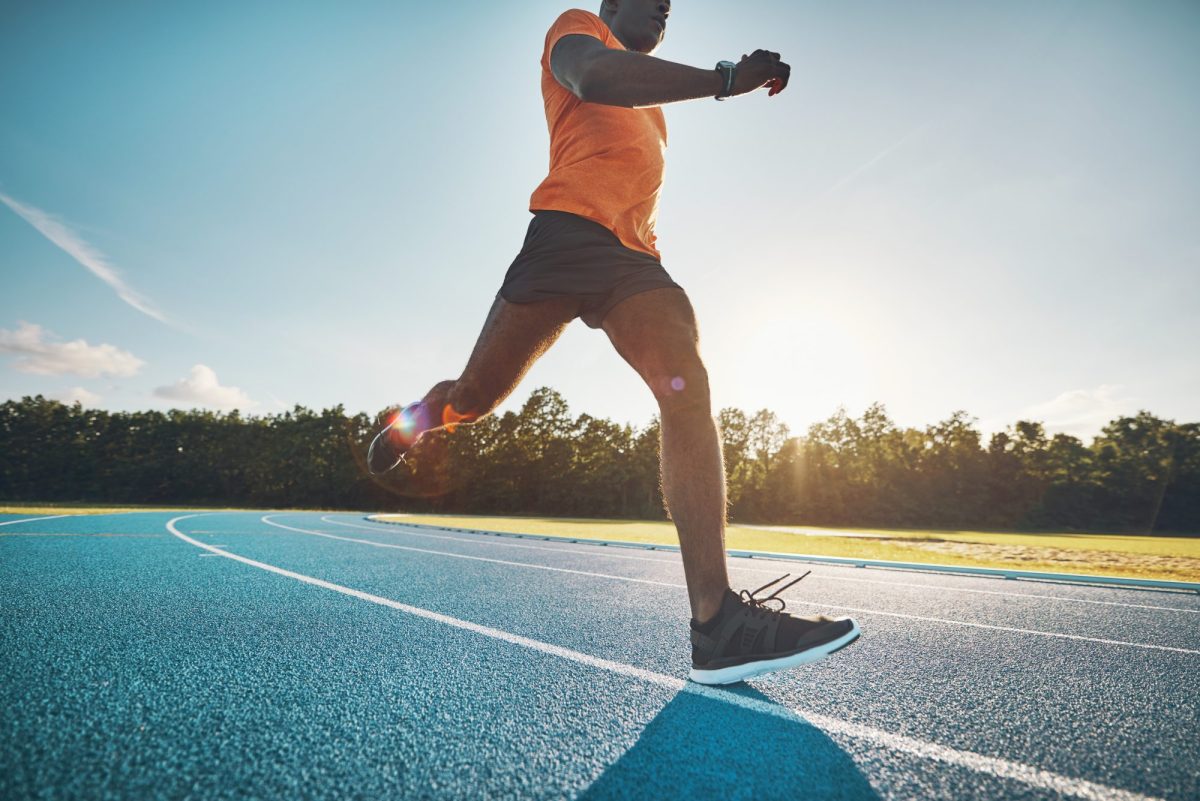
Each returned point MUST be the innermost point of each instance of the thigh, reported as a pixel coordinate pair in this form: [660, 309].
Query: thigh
[656, 332]
[514, 335]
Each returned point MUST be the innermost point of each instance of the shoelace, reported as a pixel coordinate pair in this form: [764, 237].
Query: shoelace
[762, 604]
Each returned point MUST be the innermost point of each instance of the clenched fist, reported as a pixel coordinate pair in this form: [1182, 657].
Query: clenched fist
[761, 68]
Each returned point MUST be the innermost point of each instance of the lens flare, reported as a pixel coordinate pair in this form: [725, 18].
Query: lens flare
[408, 422]
[677, 383]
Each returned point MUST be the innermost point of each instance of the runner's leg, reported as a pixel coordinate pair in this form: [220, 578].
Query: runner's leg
[514, 335]
[656, 333]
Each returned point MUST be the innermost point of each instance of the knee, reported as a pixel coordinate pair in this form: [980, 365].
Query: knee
[682, 390]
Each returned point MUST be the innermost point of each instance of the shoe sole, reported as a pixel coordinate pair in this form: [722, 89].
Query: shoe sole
[736, 673]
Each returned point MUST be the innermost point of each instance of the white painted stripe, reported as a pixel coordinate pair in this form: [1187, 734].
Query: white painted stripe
[790, 599]
[267, 519]
[484, 539]
[1080, 637]
[493, 539]
[994, 766]
[1001, 593]
[32, 519]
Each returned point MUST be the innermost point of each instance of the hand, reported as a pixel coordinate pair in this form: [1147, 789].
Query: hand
[761, 68]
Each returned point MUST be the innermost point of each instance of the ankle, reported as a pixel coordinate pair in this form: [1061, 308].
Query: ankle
[707, 608]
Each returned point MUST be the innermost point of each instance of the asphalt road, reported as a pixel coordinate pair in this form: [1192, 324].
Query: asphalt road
[239, 655]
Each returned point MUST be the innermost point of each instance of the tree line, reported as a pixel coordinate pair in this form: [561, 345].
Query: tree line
[1141, 474]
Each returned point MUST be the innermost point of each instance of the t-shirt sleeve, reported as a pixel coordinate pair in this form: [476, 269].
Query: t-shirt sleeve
[573, 21]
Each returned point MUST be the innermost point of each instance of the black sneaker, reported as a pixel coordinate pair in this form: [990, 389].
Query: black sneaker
[392, 443]
[748, 638]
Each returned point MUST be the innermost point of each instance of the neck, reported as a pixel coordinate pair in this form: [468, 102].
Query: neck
[608, 20]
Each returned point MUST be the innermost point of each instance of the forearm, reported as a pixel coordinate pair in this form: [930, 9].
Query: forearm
[623, 78]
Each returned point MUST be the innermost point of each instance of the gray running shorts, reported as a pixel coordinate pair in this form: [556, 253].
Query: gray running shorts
[565, 255]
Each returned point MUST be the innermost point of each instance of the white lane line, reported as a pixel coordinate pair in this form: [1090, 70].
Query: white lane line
[1080, 637]
[1007, 594]
[994, 766]
[267, 519]
[790, 599]
[484, 539]
[735, 564]
[31, 519]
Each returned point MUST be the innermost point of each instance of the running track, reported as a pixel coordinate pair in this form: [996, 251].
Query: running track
[233, 655]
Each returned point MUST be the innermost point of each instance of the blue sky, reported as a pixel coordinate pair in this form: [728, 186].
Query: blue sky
[979, 206]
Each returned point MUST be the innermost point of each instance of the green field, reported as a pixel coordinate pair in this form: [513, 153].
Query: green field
[1169, 558]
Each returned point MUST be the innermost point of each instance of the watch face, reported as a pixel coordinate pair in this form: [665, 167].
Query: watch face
[725, 64]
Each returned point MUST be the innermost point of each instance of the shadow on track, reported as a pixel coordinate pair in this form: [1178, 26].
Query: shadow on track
[699, 747]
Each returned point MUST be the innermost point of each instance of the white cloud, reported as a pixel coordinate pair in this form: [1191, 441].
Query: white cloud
[35, 354]
[201, 388]
[74, 245]
[1082, 412]
[78, 395]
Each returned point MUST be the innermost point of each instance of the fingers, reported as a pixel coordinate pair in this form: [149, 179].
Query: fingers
[780, 82]
[777, 73]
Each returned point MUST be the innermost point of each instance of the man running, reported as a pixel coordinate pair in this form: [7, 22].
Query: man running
[590, 253]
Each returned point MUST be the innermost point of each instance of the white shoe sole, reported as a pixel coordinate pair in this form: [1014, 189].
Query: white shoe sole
[736, 673]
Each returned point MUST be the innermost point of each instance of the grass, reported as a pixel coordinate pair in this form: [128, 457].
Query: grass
[69, 508]
[1168, 558]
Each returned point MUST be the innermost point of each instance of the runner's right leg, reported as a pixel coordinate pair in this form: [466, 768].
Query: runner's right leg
[513, 337]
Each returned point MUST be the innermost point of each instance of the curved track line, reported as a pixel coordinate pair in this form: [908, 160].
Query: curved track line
[482, 539]
[485, 539]
[994, 766]
[267, 519]
[32, 519]
[1011, 629]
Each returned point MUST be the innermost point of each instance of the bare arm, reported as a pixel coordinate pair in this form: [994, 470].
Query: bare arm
[596, 74]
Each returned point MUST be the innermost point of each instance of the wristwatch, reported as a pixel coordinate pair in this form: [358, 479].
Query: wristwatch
[728, 71]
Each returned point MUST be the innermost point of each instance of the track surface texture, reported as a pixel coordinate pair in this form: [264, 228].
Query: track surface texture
[268, 655]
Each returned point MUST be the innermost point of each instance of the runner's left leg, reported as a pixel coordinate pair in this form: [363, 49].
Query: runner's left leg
[514, 336]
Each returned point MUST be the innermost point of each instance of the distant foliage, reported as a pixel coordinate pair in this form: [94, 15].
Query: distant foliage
[1142, 474]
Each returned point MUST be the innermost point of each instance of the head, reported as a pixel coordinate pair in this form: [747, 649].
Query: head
[639, 25]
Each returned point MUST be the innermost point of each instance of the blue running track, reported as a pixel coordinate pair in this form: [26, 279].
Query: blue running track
[308, 655]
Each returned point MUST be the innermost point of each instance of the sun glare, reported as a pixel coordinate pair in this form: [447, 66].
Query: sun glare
[804, 362]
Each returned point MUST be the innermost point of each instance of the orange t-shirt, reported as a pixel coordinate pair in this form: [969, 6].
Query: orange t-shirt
[606, 162]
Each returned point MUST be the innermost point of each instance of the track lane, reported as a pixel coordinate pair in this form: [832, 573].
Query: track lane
[912, 605]
[946, 582]
[1032, 777]
[1114, 721]
[1039, 699]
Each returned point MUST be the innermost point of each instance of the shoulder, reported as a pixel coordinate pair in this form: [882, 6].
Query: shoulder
[576, 20]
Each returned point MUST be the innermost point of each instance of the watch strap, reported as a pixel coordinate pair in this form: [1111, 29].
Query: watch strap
[728, 71]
